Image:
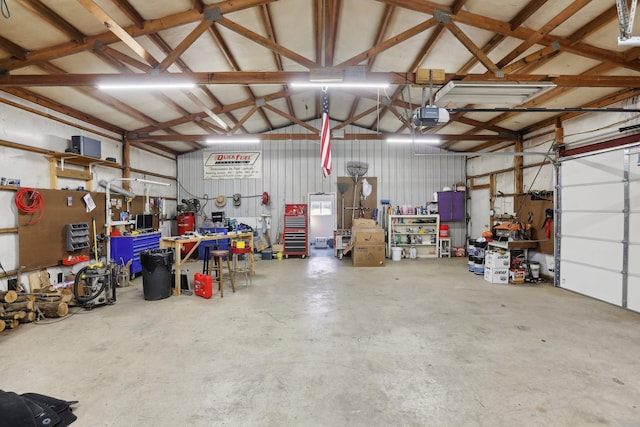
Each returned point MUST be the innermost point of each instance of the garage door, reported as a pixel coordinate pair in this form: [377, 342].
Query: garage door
[599, 227]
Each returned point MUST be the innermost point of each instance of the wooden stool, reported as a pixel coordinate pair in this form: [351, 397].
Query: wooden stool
[248, 262]
[217, 256]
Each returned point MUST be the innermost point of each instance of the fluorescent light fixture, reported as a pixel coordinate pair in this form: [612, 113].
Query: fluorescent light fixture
[345, 85]
[500, 93]
[409, 139]
[146, 86]
[231, 140]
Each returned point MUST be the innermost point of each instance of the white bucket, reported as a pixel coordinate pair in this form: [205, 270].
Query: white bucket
[535, 269]
[396, 254]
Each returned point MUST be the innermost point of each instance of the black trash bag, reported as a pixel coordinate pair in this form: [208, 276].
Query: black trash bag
[34, 410]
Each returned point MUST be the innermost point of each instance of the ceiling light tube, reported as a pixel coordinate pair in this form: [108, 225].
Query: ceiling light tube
[408, 139]
[345, 85]
[233, 141]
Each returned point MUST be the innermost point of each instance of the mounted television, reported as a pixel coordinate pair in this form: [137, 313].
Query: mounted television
[144, 222]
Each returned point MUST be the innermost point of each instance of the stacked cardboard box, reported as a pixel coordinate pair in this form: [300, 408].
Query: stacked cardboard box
[496, 266]
[367, 244]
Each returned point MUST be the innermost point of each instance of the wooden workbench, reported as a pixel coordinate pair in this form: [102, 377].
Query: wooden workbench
[176, 243]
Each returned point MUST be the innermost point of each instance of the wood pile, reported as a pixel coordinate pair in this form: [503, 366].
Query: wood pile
[20, 308]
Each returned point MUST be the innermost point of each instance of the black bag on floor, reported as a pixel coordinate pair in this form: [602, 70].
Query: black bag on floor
[34, 410]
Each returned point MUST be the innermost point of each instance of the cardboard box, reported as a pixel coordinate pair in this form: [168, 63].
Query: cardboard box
[364, 223]
[368, 235]
[496, 275]
[497, 259]
[277, 247]
[372, 255]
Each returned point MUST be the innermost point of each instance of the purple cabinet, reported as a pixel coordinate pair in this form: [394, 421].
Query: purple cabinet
[451, 205]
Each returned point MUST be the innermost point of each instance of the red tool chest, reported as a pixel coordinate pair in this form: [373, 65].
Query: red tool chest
[296, 240]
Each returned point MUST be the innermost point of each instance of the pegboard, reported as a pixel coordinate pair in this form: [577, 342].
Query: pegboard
[531, 210]
[43, 244]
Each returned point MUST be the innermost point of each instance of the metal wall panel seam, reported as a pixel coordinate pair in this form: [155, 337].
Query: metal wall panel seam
[584, 264]
[626, 229]
[592, 239]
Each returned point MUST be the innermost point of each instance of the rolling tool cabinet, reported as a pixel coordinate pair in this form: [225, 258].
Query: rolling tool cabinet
[296, 233]
[130, 247]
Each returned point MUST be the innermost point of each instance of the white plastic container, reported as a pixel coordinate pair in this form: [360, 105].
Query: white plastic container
[396, 254]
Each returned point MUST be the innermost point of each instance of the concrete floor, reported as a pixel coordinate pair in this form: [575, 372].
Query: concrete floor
[316, 342]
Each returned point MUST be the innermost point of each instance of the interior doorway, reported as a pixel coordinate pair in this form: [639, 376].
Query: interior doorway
[322, 223]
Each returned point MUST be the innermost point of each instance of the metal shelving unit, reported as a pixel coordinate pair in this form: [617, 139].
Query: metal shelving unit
[420, 231]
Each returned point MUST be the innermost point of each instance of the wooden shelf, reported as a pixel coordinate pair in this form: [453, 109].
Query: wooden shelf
[58, 161]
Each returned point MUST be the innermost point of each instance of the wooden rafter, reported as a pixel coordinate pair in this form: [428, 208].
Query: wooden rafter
[499, 27]
[266, 20]
[291, 118]
[263, 41]
[153, 26]
[39, 8]
[185, 44]
[120, 32]
[284, 77]
[471, 46]
[15, 50]
[535, 37]
[131, 12]
[332, 14]
[233, 64]
[389, 43]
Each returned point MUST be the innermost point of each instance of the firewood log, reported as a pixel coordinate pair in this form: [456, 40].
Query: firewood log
[30, 317]
[17, 306]
[11, 324]
[8, 296]
[54, 309]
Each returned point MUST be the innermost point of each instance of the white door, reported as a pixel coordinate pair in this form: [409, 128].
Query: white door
[478, 212]
[322, 216]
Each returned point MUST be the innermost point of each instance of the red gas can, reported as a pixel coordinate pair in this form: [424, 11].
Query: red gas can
[203, 285]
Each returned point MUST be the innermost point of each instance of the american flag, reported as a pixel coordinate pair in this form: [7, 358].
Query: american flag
[325, 139]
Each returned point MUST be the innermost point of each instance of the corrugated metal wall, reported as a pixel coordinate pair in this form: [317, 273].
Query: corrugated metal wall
[291, 170]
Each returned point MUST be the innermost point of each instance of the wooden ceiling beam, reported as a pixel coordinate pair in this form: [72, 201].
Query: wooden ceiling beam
[14, 49]
[389, 43]
[594, 25]
[285, 77]
[124, 58]
[526, 12]
[150, 27]
[318, 23]
[52, 105]
[42, 10]
[380, 33]
[268, 24]
[496, 26]
[244, 119]
[233, 64]
[131, 12]
[471, 47]
[292, 118]
[536, 36]
[219, 110]
[331, 31]
[185, 44]
[198, 5]
[120, 32]
[265, 42]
